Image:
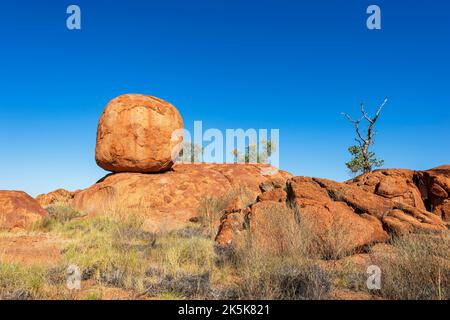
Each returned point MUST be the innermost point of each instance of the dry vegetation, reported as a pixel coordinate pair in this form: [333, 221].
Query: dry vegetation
[418, 269]
[211, 207]
[115, 252]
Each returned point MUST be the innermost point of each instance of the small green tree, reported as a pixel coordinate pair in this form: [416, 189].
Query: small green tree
[363, 159]
[359, 162]
[251, 152]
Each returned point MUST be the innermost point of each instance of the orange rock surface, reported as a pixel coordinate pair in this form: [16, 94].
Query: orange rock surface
[171, 198]
[366, 210]
[425, 190]
[18, 210]
[30, 250]
[135, 134]
[57, 196]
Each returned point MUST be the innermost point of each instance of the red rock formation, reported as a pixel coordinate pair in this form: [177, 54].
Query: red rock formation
[330, 205]
[425, 190]
[434, 186]
[396, 216]
[18, 210]
[394, 184]
[367, 209]
[354, 208]
[277, 195]
[171, 198]
[54, 197]
[135, 134]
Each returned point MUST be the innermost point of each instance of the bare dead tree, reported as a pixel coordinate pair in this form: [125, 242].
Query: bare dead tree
[364, 159]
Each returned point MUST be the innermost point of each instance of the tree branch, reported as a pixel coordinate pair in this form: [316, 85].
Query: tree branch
[356, 123]
[364, 114]
[350, 119]
[360, 143]
[379, 109]
[364, 144]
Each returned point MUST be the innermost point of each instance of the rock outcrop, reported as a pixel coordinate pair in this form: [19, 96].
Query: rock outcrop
[135, 134]
[331, 207]
[171, 198]
[394, 184]
[434, 186]
[313, 203]
[59, 196]
[396, 217]
[425, 190]
[18, 210]
[368, 209]
[365, 211]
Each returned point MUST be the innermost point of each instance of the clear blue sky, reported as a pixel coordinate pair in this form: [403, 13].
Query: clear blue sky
[292, 65]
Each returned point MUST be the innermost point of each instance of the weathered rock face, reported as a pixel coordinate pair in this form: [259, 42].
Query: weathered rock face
[425, 190]
[277, 195]
[313, 204]
[396, 217]
[18, 210]
[361, 216]
[394, 184]
[322, 202]
[135, 134]
[170, 199]
[57, 196]
[365, 210]
[434, 186]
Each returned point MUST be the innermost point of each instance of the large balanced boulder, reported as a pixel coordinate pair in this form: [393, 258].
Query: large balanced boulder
[138, 133]
[170, 199]
[18, 210]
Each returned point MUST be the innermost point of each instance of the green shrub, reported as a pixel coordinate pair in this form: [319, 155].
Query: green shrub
[58, 214]
[21, 283]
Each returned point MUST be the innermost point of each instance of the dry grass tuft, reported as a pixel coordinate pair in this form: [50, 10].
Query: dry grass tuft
[211, 207]
[418, 269]
[267, 276]
[58, 214]
[330, 243]
[276, 261]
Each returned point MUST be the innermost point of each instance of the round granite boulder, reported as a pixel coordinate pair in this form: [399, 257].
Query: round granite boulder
[138, 133]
